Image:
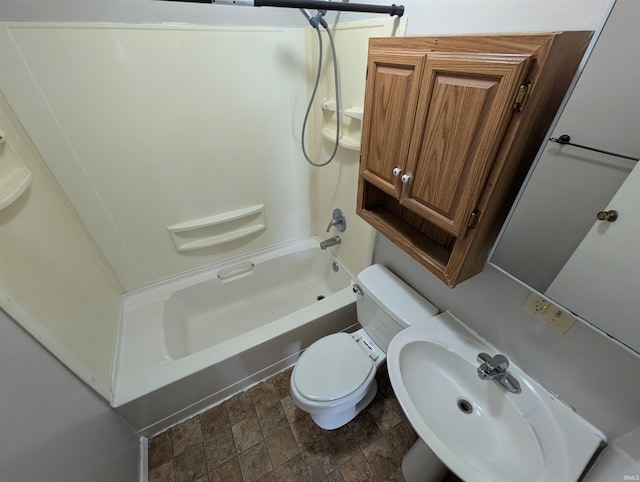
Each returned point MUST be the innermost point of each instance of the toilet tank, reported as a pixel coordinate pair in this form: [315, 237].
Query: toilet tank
[388, 305]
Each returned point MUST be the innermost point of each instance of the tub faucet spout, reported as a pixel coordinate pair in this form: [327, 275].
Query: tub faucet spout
[330, 242]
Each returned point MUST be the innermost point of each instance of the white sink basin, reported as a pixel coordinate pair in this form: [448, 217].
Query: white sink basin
[476, 427]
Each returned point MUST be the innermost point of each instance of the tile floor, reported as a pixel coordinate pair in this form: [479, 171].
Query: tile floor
[260, 435]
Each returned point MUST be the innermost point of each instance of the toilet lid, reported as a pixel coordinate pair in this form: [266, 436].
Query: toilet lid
[331, 368]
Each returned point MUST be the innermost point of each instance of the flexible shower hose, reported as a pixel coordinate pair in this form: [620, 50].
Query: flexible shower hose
[315, 90]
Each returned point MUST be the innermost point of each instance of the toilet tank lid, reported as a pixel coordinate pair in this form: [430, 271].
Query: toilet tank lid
[394, 296]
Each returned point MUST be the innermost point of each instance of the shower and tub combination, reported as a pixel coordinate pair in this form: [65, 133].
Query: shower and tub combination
[194, 340]
[189, 342]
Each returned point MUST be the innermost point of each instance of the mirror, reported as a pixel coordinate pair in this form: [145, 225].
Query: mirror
[553, 241]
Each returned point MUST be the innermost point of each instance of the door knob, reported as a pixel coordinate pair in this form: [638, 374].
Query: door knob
[405, 178]
[397, 171]
[609, 216]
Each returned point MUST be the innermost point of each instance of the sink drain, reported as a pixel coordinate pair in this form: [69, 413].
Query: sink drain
[319, 297]
[465, 406]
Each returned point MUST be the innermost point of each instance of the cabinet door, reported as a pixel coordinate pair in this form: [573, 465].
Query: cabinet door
[466, 102]
[390, 104]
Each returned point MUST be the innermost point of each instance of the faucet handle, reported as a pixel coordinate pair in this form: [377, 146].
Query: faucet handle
[338, 221]
[500, 362]
[483, 357]
[495, 368]
[496, 362]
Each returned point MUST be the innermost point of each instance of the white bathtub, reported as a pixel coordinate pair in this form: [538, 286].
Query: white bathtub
[188, 342]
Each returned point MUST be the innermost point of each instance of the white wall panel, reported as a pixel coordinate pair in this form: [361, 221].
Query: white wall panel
[53, 279]
[147, 127]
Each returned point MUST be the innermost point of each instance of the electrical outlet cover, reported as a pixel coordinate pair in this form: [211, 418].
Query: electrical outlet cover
[536, 305]
[544, 310]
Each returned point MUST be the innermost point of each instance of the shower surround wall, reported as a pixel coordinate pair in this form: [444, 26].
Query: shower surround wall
[153, 129]
[143, 127]
[53, 278]
[147, 127]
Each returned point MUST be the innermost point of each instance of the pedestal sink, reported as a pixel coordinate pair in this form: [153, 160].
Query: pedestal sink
[476, 427]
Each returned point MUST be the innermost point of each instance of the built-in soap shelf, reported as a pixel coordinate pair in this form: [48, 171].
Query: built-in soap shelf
[354, 112]
[14, 178]
[218, 229]
[351, 129]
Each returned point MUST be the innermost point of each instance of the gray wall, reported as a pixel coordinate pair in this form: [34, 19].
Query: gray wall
[592, 373]
[54, 428]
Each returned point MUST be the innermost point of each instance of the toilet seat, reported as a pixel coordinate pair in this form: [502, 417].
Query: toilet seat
[332, 368]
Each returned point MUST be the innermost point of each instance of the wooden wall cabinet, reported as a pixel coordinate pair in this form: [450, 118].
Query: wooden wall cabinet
[451, 126]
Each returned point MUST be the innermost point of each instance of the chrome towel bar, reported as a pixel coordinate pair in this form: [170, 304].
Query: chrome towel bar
[566, 139]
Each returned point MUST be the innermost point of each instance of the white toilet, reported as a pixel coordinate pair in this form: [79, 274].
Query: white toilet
[334, 379]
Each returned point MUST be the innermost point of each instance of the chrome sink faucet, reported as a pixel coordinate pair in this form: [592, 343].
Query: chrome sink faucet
[495, 368]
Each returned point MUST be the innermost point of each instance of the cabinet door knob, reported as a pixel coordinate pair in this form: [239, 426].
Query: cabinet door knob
[397, 171]
[609, 216]
[405, 178]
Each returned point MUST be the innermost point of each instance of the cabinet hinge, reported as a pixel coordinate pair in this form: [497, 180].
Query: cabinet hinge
[473, 219]
[521, 97]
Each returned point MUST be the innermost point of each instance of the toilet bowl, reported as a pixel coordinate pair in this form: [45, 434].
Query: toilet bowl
[334, 379]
